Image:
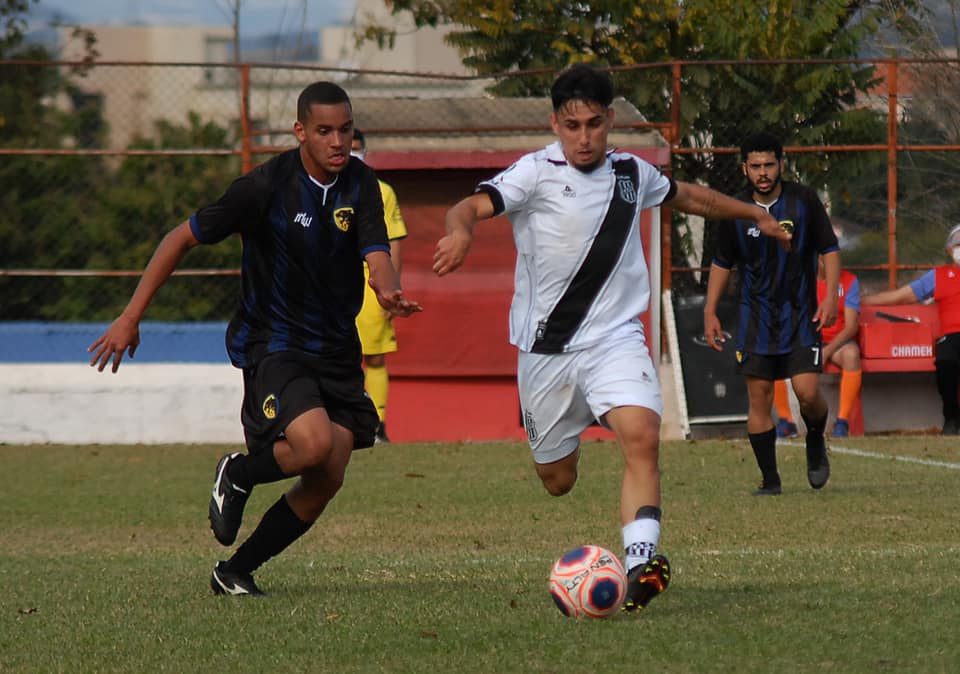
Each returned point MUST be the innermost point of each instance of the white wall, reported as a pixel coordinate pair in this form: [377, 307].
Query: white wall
[148, 404]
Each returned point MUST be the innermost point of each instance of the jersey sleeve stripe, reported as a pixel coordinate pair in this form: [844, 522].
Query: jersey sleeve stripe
[495, 197]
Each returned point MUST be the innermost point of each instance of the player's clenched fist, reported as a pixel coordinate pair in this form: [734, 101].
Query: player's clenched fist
[451, 251]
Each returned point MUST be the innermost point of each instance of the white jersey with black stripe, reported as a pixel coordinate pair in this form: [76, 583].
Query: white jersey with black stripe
[556, 211]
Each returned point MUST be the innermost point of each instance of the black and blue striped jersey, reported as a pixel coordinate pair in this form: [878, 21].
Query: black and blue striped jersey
[777, 288]
[302, 264]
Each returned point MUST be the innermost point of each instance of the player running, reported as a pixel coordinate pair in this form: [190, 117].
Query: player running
[581, 285]
[309, 218]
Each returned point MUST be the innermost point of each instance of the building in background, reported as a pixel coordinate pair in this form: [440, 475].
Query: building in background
[207, 82]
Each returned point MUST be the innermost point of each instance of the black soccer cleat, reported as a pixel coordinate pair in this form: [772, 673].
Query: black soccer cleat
[768, 490]
[950, 427]
[226, 504]
[225, 582]
[818, 466]
[646, 581]
[381, 434]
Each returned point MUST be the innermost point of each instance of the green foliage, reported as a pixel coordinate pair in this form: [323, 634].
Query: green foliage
[71, 212]
[84, 213]
[805, 103]
[13, 15]
[43, 197]
[149, 195]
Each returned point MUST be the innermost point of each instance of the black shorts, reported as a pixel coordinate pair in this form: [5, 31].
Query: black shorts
[948, 348]
[284, 385]
[782, 365]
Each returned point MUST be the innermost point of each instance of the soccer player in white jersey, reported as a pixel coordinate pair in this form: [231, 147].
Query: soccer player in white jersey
[581, 284]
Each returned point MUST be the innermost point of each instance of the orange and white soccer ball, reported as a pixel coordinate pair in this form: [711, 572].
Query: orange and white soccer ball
[588, 581]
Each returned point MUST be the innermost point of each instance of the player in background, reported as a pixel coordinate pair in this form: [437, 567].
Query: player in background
[839, 347]
[942, 283]
[374, 323]
[308, 217]
[778, 331]
[581, 284]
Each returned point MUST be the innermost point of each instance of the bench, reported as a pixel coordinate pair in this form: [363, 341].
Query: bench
[897, 338]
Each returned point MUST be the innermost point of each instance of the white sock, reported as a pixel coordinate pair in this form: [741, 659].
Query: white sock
[640, 539]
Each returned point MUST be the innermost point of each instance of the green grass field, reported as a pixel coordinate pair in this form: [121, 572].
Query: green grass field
[434, 558]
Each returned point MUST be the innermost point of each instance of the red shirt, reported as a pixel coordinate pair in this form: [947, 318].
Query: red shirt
[946, 293]
[848, 294]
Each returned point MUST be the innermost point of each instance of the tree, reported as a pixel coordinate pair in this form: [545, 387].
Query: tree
[42, 197]
[804, 103]
[146, 196]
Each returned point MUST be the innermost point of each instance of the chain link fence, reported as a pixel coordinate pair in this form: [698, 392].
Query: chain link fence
[98, 161]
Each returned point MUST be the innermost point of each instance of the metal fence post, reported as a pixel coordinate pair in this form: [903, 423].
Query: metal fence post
[892, 119]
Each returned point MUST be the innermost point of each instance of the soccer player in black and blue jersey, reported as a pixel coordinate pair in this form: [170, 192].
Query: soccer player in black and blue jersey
[308, 219]
[778, 332]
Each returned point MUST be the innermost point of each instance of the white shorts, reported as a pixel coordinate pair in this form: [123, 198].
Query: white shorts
[562, 394]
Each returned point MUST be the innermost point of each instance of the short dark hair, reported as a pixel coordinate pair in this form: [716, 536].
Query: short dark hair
[320, 93]
[581, 82]
[761, 142]
[358, 135]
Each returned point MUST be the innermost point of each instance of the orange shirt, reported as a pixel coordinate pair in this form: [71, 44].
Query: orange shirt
[848, 295]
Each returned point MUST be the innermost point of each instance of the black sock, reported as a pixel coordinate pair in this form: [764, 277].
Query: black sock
[815, 429]
[250, 470]
[765, 450]
[648, 512]
[278, 528]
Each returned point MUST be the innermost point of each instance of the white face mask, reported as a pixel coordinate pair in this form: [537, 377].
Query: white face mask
[955, 251]
[359, 154]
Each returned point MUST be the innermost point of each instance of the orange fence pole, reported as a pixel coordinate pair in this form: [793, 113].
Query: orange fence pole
[892, 174]
[666, 224]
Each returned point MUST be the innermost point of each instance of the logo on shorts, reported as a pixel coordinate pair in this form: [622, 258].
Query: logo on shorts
[343, 218]
[541, 329]
[530, 425]
[270, 406]
[739, 356]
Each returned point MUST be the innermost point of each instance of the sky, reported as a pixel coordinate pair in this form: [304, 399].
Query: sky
[257, 17]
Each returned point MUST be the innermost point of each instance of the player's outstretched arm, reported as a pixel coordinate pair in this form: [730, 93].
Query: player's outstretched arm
[452, 248]
[703, 201]
[901, 295]
[385, 282]
[123, 335]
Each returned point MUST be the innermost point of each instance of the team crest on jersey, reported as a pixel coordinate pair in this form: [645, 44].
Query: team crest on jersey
[627, 190]
[343, 218]
[269, 406]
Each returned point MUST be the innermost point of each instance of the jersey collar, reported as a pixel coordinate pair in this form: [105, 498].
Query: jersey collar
[554, 154]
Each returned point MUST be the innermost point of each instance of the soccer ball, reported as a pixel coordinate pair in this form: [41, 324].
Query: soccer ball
[588, 581]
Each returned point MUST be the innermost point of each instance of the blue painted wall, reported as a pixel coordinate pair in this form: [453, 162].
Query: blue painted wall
[160, 342]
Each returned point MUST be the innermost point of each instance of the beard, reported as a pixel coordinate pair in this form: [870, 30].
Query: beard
[768, 188]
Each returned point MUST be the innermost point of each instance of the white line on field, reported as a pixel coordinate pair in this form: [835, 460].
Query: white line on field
[894, 457]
